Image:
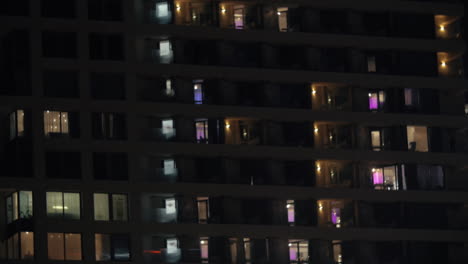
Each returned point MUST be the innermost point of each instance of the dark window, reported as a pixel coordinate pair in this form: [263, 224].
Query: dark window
[59, 8]
[63, 165]
[14, 7]
[15, 63]
[413, 25]
[108, 86]
[106, 47]
[110, 166]
[59, 44]
[109, 126]
[112, 247]
[105, 10]
[60, 84]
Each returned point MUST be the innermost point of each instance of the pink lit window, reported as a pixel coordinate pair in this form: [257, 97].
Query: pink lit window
[204, 249]
[291, 213]
[377, 176]
[335, 215]
[376, 100]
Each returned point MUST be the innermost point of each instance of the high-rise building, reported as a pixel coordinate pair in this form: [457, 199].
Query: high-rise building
[233, 132]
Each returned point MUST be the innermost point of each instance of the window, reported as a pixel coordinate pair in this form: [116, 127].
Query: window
[385, 178]
[376, 100]
[110, 207]
[377, 139]
[162, 9]
[282, 19]
[107, 86]
[165, 51]
[168, 130]
[203, 209]
[16, 124]
[19, 205]
[198, 95]
[60, 84]
[106, 46]
[20, 246]
[337, 254]
[371, 64]
[204, 253]
[55, 123]
[64, 246]
[417, 138]
[59, 44]
[110, 166]
[169, 90]
[291, 212]
[58, 8]
[411, 97]
[247, 250]
[239, 17]
[105, 10]
[169, 167]
[109, 126]
[63, 165]
[201, 126]
[298, 251]
[112, 247]
[63, 205]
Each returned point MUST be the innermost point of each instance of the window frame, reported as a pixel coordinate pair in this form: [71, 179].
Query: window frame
[64, 235]
[63, 206]
[111, 207]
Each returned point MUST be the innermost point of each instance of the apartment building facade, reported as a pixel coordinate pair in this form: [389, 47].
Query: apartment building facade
[203, 131]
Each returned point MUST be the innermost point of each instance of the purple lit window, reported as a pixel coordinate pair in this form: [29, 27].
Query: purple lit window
[373, 101]
[291, 214]
[198, 93]
[377, 176]
[293, 252]
[201, 126]
[239, 18]
[335, 215]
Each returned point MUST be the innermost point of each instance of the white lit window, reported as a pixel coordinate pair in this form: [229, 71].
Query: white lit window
[110, 207]
[162, 9]
[19, 205]
[169, 167]
[63, 205]
[16, 124]
[282, 19]
[371, 64]
[377, 140]
[247, 250]
[165, 48]
[55, 122]
[417, 138]
[168, 130]
[169, 91]
[170, 205]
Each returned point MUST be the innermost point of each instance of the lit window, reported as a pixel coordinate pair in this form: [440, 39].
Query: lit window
[298, 250]
[204, 249]
[165, 48]
[411, 97]
[371, 64]
[247, 250]
[170, 205]
[169, 167]
[112, 247]
[233, 249]
[55, 123]
[198, 92]
[282, 19]
[162, 9]
[239, 17]
[417, 138]
[337, 254]
[385, 178]
[110, 205]
[291, 212]
[377, 140]
[63, 205]
[376, 100]
[201, 126]
[203, 209]
[20, 246]
[64, 246]
[19, 205]
[168, 130]
[16, 124]
[169, 91]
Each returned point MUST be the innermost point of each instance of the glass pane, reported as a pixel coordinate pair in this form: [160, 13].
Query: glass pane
[303, 251]
[375, 140]
[293, 254]
[417, 138]
[202, 130]
[51, 122]
[102, 244]
[371, 65]
[198, 93]
[71, 206]
[27, 245]
[121, 248]
[390, 180]
[26, 204]
[64, 122]
[291, 213]
[377, 177]
[9, 208]
[73, 246]
[373, 101]
[15, 205]
[20, 122]
[247, 249]
[101, 206]
[12, 125]
[55, 246]
[119, 207]
[55, 204]
[204, 248]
